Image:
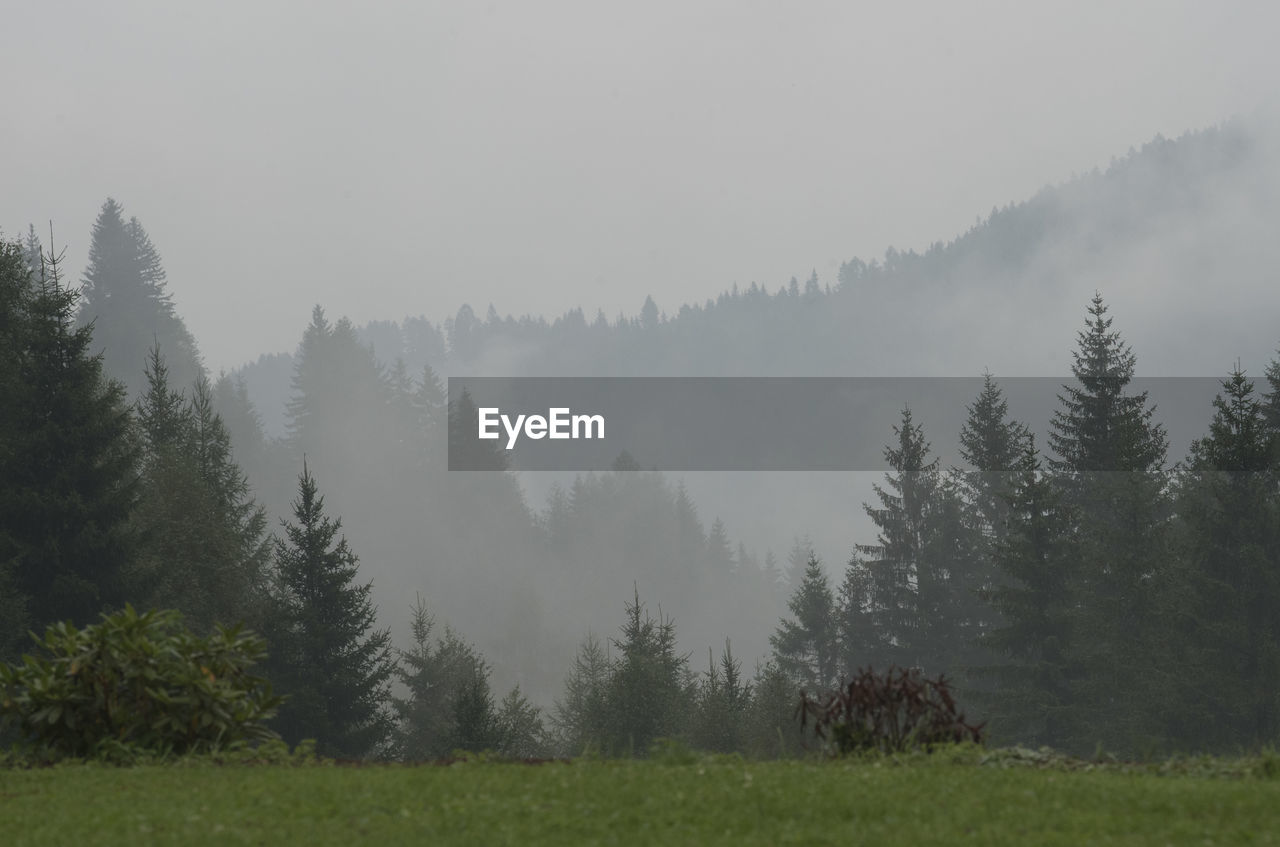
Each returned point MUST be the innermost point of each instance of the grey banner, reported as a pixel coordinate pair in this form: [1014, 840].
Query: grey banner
[758, 423]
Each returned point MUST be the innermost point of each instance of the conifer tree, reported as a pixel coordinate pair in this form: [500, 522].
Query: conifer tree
[649, 694]
[1032, 697]
[521, 733]
[991, 444]
[804, 646]
[797, 562]
[448, 705]
[894, 562]
[859, 642]
[15, 290]
[1229, 507]
[204, 545]
[328, 657]
[69, 462]
[719, 555]
[722, 702]
[1110, 456]
[127, 299]
[1099, 427]
[578, 718]
[770, 729]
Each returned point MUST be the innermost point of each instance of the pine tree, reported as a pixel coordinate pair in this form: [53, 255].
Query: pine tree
[1100, 428]
[804, 647]
[719, 555]
[770, 728]
[328, 657]
[797, 562]
[1229, 508]
[722, 702]
[859, 643]
[448, 705]
[15, 291]
[69, 462]
[1110, 455]
[1271, 401]
[1031, 701]
[127, 300]
[204, 545]
[243, 422]
[578, 718]
[991, 444]
[649, 690]
[466, 451]
[521, 734]
[894, 562]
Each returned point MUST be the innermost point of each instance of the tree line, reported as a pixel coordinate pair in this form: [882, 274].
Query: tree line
[1082, 591]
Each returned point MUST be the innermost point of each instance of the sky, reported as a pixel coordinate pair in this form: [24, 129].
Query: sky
[391, 159]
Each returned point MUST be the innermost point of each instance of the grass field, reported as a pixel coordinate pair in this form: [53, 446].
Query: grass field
[692, 800]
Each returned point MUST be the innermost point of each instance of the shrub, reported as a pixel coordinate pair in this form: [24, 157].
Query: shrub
[139, 682]
[890, 713]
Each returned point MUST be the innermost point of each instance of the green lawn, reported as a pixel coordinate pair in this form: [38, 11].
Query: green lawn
[720, 800]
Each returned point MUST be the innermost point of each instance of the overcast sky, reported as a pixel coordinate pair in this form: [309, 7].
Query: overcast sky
[386, 159]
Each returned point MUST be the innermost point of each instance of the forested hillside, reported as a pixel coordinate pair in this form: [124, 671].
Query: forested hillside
[1088, 587]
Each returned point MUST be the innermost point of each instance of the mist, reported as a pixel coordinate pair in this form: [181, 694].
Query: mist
[350, 204]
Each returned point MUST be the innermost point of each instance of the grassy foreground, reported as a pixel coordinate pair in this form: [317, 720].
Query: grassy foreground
[941, 799]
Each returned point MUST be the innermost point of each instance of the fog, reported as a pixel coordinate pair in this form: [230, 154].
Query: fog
[960, 181]
[408, 158]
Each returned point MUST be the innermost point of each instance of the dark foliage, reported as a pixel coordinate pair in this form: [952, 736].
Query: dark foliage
[889, 712]
[138, 682]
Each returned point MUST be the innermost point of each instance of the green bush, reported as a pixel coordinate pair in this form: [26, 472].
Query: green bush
[141, 682]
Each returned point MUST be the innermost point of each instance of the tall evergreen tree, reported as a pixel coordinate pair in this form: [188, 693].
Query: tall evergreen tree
[991, 443]
[1031, 701]
[1110, 456]
[15, 291]
[1229, 509]
[448, 705]
[1099, 427]
[804, 647]
[578, 718]
[722, 701]
[650, 693]
[204, 546]
[68, 468]
[328, 657]
[894, 561]
[925, 574]
[859, 642]
[126, 298]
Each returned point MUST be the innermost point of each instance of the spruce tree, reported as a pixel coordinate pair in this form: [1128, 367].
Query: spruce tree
[448, 704]
[894, 562]
[1110, 455]
[1031, 698]
[991, 443]
[578, 718]
[804, 646]
[722, 701]
[859, 642]
[1099, 427]
[1229, 508]
[521, 733]
[68, 468]
[15, 291]
[126, 298]
[204, 546]
[328, 657]
[649, 694]
[719, 555]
